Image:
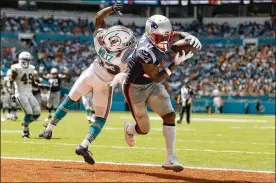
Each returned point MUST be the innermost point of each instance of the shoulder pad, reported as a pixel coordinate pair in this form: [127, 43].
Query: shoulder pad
[146, 55]
[15, 66]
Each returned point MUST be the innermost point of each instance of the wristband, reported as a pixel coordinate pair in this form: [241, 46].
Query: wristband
[169, 72]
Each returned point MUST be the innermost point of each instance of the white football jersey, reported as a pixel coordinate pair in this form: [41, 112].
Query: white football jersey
[108, 64]
[24, 78]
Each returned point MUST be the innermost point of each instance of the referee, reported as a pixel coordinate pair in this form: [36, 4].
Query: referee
[185, 95]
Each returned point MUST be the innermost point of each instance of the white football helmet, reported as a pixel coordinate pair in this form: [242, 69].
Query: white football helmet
[24, 59]
[54, 72]
[159, 31]
[35, 73]
[118, 38]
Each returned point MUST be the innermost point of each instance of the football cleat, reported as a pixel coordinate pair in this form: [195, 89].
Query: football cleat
[26, 134]
[130, 138]
[172, 164]
[46, 134]
[86, 154]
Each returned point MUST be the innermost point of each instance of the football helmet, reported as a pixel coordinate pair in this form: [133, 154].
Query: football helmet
[54, 72]
[24, 59]
[159, 30]
[117, 38]
[35, 73]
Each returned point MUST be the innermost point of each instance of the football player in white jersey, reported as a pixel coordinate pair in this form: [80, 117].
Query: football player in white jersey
[22, 76]
[10, 101]
[88, 106]
[113, 46]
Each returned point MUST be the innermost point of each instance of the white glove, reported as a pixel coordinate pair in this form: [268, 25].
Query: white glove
[179, 59]
[193, 41]
[119, 78]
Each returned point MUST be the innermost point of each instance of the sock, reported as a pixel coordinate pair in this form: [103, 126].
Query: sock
[169, 135]
[131, 129]
[27, 121]
[87, 112]
[28, 118]
[93, 131]
[61, 111]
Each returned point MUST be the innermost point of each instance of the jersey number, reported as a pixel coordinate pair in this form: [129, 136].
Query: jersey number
[27, 79]
[54, 83]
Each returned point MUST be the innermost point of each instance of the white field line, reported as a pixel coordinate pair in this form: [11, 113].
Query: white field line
[208, 141]
[138, 164]
[220, 120]
[152, 129]
[254, 127]
[143, 148]
[177, 140]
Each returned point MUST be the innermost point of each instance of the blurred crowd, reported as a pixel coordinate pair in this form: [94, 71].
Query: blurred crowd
[235, 71]
[49, 25]
[71, 57]
[80, 26]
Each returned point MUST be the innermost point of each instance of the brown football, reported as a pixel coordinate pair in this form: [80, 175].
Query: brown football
[180, 45]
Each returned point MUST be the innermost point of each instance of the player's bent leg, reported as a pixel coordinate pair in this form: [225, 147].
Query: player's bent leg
[137, 105]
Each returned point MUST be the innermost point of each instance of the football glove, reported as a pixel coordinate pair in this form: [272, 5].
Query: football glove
[117, 7]
[119, 78]
[193, 41]
[178, 59]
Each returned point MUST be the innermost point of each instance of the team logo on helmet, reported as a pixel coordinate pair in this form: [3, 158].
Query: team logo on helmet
[153, 25]
[115, 41]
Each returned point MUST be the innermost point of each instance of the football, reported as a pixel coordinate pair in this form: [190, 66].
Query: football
[183, 45]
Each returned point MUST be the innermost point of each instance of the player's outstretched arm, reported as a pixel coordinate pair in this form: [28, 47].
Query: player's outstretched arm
[99, 19]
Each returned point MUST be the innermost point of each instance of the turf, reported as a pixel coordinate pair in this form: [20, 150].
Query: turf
[214, 141]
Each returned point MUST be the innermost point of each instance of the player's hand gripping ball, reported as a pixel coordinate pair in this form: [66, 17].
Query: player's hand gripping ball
[183, 45]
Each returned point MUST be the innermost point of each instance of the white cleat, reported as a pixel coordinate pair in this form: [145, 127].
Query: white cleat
[3, 119]
[130, 138]
[172, 164]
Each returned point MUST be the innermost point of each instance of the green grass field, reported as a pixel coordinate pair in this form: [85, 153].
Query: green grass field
[215, 141]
